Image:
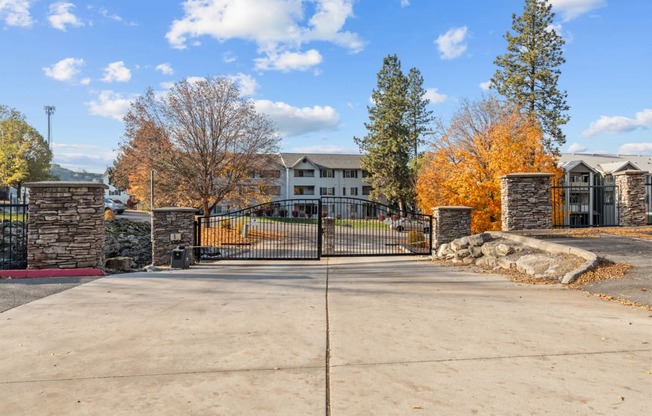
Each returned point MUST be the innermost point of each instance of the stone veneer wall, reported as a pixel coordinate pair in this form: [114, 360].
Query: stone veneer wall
[450, 223]
[526, 201]
[168, 221]
[66, 225]
[631, 198]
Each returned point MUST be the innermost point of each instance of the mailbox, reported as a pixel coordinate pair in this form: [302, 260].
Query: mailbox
[180, 259]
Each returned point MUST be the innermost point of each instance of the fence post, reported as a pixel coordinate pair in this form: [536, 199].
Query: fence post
[450, 223]
[172, 227]
[66, 225]
[631, 198]
[526, 201]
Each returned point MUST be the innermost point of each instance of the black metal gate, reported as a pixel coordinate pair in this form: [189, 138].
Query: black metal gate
[648, 200]
[309, 229]
[578, 206]
[13, 236]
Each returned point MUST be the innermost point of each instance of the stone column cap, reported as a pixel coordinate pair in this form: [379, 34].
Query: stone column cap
[65, 184]
[455, 207]
[630, 172]
[528, 175]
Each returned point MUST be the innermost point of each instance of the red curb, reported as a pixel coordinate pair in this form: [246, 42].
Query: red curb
[30, 274]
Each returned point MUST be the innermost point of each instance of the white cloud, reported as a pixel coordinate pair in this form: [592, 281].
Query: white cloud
[116, 72]
[452, 44]
[570, 9]
[165, 69]
[576, 148]
[109, 104]
[85, 81]
[16, 13]
[276, 26]
[288, 61]
[65, 69]
[89, 158]
[635, 149]
[405, 3]
[294, 121]
[60, 16]
[229, 57]
[620, 124]
[435, 96]
[246, 84]
[485, 86]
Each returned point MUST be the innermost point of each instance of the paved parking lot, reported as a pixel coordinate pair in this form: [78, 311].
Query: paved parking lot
[345, 336]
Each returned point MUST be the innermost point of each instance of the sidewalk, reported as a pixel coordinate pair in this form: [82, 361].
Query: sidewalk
[406, 337]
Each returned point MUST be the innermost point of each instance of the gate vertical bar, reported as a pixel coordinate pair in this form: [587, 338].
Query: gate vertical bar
[320, 230]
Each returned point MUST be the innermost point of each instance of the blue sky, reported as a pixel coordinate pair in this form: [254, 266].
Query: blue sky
[310, 65]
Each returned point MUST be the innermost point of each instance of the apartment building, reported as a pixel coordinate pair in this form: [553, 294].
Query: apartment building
[589, 191]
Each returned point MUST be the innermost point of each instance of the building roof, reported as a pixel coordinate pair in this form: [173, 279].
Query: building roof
[572, 164]
[608, 163]
[322, 160]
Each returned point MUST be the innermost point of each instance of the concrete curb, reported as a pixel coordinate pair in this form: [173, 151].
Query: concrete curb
[554, 248]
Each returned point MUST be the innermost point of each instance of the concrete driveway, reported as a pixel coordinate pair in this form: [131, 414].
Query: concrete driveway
[349, 336]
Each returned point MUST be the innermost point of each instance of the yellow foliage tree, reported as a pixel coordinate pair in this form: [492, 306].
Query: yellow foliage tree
[485, 140]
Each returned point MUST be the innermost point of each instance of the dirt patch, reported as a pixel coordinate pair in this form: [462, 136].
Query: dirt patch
[644, 233]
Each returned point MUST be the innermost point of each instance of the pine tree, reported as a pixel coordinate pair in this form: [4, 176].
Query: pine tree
[528, 73]
[417, 117]
[387, 145]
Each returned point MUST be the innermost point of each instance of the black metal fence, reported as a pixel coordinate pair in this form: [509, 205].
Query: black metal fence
[312, 228]
[648, 200]
[576, 206]
[13, 236]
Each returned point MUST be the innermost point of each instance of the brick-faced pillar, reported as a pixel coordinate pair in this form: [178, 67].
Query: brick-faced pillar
[526, 201]
[632, 208]
[449, 223]
[166, 222]
[66, 225]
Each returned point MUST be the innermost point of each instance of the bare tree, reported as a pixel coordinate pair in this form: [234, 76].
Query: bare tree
[204, 140]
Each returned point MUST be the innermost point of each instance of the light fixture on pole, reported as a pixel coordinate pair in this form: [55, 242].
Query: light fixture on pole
[49, 110]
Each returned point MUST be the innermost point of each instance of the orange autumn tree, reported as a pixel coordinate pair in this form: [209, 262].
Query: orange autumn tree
[484, 141]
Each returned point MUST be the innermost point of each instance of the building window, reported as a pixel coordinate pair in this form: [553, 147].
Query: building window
[270, 173]
[327, 173]
[327, 191]
[354, 191]
[350, 173]
[275, 190]
[366, 174]
[304, 190]
[304, 173]
[343, 191]
[366, 190]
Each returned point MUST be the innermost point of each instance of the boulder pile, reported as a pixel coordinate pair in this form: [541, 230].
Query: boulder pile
[486, 251]
[125, 239]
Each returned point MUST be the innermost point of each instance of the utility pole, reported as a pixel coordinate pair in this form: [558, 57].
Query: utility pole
[49, 110]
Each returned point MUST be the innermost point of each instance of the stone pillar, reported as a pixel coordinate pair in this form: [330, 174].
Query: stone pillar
[172, 227]
[66, 225]
[328, 243]
[632, 208]
[526, 201]
[450, 223]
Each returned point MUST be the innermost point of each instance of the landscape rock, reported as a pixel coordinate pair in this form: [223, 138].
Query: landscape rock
[119, 264]
[126, 238]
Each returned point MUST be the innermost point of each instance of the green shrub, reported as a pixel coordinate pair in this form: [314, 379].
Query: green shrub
[415, 237]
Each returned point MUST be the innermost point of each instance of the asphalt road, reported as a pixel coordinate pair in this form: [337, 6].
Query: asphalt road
[16, 292]
[135, 216]
[636, 286]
